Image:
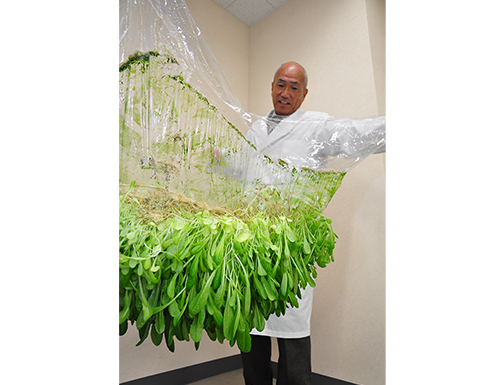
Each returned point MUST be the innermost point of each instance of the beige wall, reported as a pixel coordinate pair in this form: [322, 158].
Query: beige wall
[341, 43]
[376, 26]
[330, 38]
[228, 39]
[348, 322]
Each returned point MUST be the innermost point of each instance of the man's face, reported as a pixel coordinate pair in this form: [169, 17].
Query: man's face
[288, 89]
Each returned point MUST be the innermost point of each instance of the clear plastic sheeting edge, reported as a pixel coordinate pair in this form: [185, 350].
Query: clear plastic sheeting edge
[167, 28]
[333, 144]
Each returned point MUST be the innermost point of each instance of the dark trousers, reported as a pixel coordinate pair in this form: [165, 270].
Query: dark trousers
[294, 363]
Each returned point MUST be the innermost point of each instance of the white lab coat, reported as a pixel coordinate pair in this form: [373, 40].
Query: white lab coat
[311, 139]
[289, 137]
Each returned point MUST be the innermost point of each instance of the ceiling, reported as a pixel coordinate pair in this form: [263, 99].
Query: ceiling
[250, 11]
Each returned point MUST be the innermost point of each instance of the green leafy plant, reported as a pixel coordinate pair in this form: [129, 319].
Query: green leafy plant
[185, 270]
[203, 250]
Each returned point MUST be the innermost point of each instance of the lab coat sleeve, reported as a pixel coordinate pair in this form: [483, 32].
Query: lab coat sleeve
[244, 165]
[353, 137]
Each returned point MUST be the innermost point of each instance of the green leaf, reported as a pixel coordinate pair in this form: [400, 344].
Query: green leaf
[124, 313]
[171, 286]
[287, 250]
[290, 234]
[201, 299]
[219, 251]
[293, 300]
[173, 309]
[193, 270]
[284, 285]
[258, 320]
[310, 281]
[153, 278]
[219, 319]
[177, 318]
[242, 237]
[307, 247]
[236, 316]
[244, 339]
[260, 269]
[219, 296]
[259, 287]
[132, 262]
[228, 326]
[144, 332]
[196, 328]
[270, 289]
[160, 322]
[247, 300]
[155, 336]
[178, 224]
[196, 248]
[123, 328]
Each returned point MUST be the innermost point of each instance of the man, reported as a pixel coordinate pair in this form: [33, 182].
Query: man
[303, 139]
[288, 91]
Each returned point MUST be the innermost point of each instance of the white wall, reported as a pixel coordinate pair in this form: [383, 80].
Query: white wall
[341, 43]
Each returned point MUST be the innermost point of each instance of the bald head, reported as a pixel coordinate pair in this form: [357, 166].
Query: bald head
[289, 88]
[292, 63]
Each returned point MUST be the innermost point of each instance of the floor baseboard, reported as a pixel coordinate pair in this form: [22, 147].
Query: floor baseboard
[209, 369]
[316, 379]
[191, 373]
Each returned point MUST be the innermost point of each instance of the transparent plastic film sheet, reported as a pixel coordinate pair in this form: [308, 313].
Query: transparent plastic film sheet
[221, 220]
[182, 129]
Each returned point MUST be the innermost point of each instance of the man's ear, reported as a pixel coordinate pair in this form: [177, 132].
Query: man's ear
[305, 93]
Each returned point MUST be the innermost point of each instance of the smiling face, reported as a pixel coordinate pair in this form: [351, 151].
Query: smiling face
[288, 89]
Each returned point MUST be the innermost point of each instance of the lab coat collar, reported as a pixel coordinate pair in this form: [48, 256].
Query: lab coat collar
[294, 117]
[284, 128]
